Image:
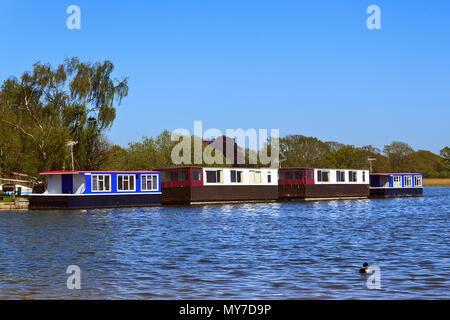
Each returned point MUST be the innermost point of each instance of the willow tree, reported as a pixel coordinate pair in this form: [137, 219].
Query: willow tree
[48, 107]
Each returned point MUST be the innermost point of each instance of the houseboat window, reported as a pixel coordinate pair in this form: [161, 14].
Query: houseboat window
[255, 176]
[176, 175]
[149, 182]
[125, 182]
[197, 175]
[269, 177]
[101, 182]
[214, 176]
[364, 176]
[236, 176]
[352, 176]
[309, 174]
[340, 176]
[408, 181]
[397, 181]
[418, 181]
[290, 175]
[323, 176]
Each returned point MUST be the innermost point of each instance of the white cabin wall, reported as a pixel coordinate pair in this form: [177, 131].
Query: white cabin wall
[245, 176]
[54, 184]
[333, 176]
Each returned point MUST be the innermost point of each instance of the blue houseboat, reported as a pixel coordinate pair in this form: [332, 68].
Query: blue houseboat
[385, 185]
[98, 189]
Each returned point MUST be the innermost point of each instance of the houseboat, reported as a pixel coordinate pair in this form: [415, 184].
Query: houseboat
[322, 184]
[199, 185]
[386, 185]
[98, 189]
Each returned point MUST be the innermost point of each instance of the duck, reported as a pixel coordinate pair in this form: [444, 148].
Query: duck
[365, 268]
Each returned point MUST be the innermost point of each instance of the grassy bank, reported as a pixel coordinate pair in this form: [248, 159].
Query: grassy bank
[436, 182]
[6, 198]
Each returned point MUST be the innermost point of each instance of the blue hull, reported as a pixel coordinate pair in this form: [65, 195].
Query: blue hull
[395, 192]
[45, 202]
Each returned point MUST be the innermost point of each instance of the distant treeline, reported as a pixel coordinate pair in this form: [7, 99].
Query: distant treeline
[46, 108]
[297, 151]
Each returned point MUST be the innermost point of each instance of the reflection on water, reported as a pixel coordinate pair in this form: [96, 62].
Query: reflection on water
[267, 251]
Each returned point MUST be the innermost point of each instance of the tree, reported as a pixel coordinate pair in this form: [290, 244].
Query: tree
[445, 155]
[48, 106]
[301, 151]
[397, 153]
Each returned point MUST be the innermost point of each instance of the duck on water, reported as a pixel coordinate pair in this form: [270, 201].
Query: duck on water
[365, 268]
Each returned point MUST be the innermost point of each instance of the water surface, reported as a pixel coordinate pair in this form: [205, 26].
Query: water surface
[250, 251]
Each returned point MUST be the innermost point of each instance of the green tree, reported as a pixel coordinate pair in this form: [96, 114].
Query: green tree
[397, 153]
[47, 107]
[445, 155]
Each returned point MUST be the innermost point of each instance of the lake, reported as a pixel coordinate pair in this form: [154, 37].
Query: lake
[294, 250]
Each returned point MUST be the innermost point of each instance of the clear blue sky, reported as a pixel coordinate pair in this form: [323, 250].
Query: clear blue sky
[305, 67]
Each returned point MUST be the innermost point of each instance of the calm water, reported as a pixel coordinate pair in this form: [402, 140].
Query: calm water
[267, 251]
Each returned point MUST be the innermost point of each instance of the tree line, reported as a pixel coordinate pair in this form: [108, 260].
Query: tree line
[48, 107]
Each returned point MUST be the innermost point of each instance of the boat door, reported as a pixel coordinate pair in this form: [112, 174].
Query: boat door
[66, 184]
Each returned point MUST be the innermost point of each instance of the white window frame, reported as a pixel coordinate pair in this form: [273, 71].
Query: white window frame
[350, 173]
[418, 178]
[253, 174]
[215, 171]
[239, 173]
[151, 175]
[321, 176]
[396, 182]
[100, 175]
[127, 175]
[339, 172]
[409, 179]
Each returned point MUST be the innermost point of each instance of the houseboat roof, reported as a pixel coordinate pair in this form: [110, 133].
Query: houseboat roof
[218, 168]
[78, 172]
[295, 168]
[388, 174]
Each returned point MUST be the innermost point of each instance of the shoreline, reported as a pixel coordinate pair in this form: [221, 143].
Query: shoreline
[436, 182]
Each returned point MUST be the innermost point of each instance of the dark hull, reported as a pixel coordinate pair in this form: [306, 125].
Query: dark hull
[219, 194]
[395, 192]
[40, 202]
[322, 191]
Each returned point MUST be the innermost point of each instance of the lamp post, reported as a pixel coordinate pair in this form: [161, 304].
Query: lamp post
[71, 144]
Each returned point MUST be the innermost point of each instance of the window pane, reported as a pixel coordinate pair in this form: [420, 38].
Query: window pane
[131, 182]
[211, 176]
[94, 183]
[233, 175]
[197, 176]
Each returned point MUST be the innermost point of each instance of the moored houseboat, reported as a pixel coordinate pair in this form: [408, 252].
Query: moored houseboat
[199, 185]
[98, 189]
[322, 184]
[386, 185]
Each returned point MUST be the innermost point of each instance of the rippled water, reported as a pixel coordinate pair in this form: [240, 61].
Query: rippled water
[267, 251]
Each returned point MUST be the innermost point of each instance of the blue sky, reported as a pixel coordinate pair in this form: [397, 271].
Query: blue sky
[305, 67]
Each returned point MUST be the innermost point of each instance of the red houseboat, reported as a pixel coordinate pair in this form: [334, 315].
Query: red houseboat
[322, 184]
[198, 185]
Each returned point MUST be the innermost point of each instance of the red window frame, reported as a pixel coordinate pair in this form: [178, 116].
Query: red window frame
[181, 184]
